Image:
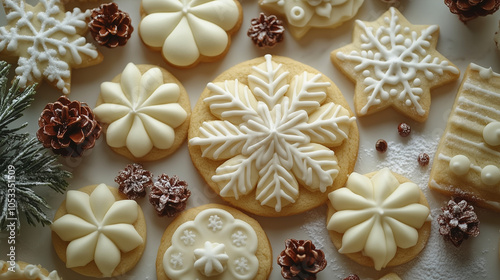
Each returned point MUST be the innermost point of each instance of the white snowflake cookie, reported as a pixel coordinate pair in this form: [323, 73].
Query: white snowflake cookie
[379, 219]
[303, 15]
[193, 30]
[97, 232]
[12, 270]
[394, 64]
[48, 41]
[214, 241]
[272, 136]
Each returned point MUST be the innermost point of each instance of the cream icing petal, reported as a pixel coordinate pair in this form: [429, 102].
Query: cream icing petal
[386, 183]
[361, 185]
[81, 251]
[404, 194]
[112, 93]
[224, 13]
[341, 221]
[158, 6]
[101, 200]
[70, 227]
[107, 255]
[122, 211]
[78, 203]
[124, 236]
[150, 81]
[210, 39]
[345, 199]
[161, 135]
[130, 83]
[166, 93]
[154, 36]
[109, 112]
[118, 130]
[180, 46]
[354, 239]
[413, 215]
[405, 236]
[170, 114]
[138, 141]
[380, 245]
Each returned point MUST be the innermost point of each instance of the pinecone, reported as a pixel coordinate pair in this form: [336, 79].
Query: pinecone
[169, 195]
[471, 9]
[300, 260]
[68, 127]
[110, 26]
[458, 222]
[134, 180]
[266, 31]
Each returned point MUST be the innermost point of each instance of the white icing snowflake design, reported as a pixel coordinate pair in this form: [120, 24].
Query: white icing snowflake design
[176, 260]
[273, 134]
[391, 56]
[188, 238]
[49, 39]
[215, 223]
[239, 238]
[241, 265]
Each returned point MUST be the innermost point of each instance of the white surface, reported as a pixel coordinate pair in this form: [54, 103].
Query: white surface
[475, 259]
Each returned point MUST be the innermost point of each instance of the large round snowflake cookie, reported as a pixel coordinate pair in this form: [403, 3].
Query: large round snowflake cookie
[273, 136]
[214, 242]
[98, 232]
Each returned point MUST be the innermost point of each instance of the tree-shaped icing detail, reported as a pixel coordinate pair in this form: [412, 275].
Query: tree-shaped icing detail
[274, 134]
[48, 43]
[392, 55]
[98, 229]
[377, 215]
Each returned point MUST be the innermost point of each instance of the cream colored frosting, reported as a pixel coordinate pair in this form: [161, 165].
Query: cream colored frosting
[274, 133]
[214, 244]
[460, 165]
[490, 175]
[491, 133]
[190, 28]
[98, 229]
[142, 111]
[377, 215]
[30, 271]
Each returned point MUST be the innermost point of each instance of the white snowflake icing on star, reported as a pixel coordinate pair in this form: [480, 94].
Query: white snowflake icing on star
[275, 133]
[239, 238]
[188, 238]
[393, 55]
[241, 265]
[52, 40]
[176, 260]
[215, 223]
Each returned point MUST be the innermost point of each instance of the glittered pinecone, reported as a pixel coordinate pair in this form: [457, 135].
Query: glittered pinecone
[471, 9]
[133, 181]
[266, 31]
[458, 222]
[301, 260]
[169, 195]
[68, 127]
[110, 26]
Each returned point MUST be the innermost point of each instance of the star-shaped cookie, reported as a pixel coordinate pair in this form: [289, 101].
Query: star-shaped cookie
[48, 42]
[394, 63]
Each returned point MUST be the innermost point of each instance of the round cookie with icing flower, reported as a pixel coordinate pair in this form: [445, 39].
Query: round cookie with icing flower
[214, 242]
[98, 232]
[23, 271]
[273, 136]
[380, 219]
[145, 112]
[192, 31]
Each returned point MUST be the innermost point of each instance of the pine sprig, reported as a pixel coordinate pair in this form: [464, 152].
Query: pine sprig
[33, 165]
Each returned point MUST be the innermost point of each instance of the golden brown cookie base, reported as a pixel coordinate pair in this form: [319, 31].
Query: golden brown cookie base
[402, 255]
[264, 251]
[180, 131]
[128, 260]
[346, 153]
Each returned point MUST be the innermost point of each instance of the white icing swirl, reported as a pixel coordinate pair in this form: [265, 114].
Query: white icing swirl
[142, 111]
[97, 227]
[491, 133]
[210, 245]
[191, 28]
[28, 272]
[377, 215]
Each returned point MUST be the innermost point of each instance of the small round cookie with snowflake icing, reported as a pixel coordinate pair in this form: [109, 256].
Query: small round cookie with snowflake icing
[379, 219]
[145, 112]
[98, 232]
[23, 271]
[273, 136]
[214, 242]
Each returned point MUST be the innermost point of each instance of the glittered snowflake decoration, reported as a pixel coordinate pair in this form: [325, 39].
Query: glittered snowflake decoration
[275, 134]
[48, 42]
[394, 63]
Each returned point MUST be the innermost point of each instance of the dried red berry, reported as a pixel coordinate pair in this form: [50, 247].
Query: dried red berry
[381, 145]
[404, 129]
[423, 159]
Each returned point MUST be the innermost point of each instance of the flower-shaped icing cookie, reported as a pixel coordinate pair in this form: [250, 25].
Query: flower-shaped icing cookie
[192, 30]
[394, 63]
[378, 216]
[145, 111]
[98, 235]
[305, 14]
